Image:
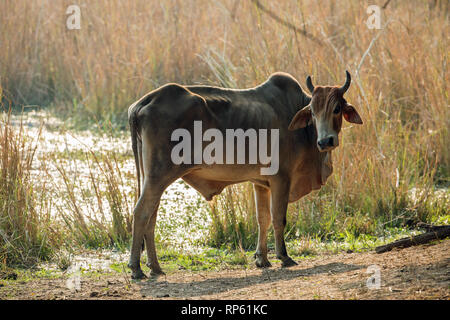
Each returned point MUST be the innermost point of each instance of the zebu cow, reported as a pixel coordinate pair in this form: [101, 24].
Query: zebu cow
[307, 127]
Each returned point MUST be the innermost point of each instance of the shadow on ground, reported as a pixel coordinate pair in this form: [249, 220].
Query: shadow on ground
[160, 289]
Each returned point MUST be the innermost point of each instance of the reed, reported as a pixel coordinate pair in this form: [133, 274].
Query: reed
[26, 235]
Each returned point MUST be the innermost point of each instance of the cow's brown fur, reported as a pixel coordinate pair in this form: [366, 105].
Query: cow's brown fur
[279, 103]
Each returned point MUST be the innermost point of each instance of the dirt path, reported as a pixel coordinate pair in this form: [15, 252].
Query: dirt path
[421, 272]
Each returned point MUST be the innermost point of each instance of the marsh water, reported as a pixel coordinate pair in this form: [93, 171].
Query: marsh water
[71, 167]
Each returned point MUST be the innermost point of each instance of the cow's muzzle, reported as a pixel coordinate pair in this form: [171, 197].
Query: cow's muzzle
[327, 144]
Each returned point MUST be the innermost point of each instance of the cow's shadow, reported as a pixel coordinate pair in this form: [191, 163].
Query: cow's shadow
[210, 286]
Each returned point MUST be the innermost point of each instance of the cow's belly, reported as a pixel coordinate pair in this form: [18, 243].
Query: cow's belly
[211, 181]
[231, 173]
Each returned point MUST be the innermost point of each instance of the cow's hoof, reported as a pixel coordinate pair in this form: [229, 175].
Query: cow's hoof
[138, 274]
[260, 263]
[261, 260]
[155, 270]
[157, 273]
[288, 263]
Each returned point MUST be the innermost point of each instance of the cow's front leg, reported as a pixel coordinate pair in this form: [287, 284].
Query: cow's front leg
[262, 199]
[279, 202]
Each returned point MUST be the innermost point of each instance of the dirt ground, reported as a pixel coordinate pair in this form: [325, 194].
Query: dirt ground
[421, 272]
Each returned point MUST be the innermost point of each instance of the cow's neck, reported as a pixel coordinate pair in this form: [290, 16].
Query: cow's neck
[312, 168]
[321, 166]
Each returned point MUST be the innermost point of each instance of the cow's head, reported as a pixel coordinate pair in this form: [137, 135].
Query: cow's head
[325, 111]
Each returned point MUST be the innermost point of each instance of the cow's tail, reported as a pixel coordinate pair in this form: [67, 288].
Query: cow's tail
[132, 118]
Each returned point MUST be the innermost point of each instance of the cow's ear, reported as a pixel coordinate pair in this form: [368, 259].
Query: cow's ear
[351, 115]
[301, 119]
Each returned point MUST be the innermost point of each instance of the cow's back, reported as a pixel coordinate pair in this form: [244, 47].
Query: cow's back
[269, 105]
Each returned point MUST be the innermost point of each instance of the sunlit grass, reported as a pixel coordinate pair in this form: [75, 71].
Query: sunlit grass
[26, 233]
[391, 170]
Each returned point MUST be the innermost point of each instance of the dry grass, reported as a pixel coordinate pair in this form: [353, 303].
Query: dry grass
[48, 206]
[25, 232]
[124, 49]
[96, 209]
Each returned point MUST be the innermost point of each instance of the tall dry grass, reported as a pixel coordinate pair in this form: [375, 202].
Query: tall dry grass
[96, 207]
[49, 205]
[26, 233]
[126, 48]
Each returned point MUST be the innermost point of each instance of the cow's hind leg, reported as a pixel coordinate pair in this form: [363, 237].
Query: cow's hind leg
[262, 198]
[152, 259]
[145, 209]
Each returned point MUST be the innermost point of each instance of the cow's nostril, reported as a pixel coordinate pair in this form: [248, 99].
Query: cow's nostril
[330, 142]
[327, 142]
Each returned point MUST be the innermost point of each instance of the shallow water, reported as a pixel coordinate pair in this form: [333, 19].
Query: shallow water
[183, 217]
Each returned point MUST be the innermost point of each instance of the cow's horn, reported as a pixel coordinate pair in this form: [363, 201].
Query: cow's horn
[309, 84]
[344, 88]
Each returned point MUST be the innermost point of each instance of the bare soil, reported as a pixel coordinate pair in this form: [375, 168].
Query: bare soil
[421, 272]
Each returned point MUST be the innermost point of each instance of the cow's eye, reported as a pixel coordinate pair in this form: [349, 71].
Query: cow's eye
[337, 109]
